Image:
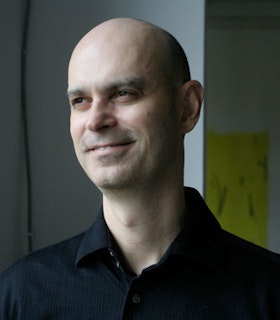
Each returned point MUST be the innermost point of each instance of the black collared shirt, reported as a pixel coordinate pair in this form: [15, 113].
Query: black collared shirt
[206, 273]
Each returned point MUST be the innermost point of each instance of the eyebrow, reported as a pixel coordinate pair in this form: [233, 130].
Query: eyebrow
[136, 82]
[75, 92]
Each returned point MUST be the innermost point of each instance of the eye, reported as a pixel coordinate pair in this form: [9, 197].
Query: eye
[79, 102]
[124, 95]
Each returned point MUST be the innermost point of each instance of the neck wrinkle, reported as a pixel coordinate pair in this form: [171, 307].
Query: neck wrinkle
[145, 227]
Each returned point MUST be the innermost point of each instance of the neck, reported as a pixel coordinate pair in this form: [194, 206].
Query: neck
[145, 224]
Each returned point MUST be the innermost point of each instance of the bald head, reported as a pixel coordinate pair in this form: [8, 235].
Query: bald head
[131, 101]
[127, 36]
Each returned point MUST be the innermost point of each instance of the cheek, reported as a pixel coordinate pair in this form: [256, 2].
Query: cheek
[166, 130]
[76, 128]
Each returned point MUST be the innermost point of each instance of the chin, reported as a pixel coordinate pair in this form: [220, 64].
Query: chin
[111, 181]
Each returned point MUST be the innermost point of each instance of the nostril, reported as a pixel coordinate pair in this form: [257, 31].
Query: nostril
[100, 120]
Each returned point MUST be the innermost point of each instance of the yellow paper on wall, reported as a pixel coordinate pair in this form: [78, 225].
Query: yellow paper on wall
[236, 183]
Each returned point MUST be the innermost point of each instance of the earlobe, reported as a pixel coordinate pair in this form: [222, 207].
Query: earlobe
[192, 97]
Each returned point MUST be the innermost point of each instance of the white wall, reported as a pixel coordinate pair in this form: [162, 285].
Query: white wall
[243, 77]
[64, 201]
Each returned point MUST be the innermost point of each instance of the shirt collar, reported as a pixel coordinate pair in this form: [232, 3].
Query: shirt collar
[200, 240]
[95, 239]
[202, 237]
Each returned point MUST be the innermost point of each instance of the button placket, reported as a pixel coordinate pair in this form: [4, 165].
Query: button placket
[134, 298]
[116, 260]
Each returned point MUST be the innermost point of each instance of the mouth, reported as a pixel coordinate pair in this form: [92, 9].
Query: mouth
[107, 148]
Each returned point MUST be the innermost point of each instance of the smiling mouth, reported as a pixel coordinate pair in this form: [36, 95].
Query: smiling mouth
[101, 148]
[104, 148]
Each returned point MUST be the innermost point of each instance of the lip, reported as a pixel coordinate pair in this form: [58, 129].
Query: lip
[109, 148]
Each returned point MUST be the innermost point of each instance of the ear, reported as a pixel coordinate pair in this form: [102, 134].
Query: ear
[192, 94]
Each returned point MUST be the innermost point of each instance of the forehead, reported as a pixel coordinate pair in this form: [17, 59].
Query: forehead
[115, 54]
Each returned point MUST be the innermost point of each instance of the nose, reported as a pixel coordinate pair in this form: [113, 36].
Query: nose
[100, 115]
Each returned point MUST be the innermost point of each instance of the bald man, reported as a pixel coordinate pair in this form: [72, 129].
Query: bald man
[155, 251]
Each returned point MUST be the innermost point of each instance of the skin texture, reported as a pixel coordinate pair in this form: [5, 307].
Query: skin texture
[129, 116]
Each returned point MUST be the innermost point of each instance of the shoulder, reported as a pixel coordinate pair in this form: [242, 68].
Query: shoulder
[249, 248]
[30, 279]
[42, 261]
[242, 254]
[237, 248]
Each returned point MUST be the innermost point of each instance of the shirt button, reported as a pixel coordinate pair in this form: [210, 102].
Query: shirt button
[136, 298]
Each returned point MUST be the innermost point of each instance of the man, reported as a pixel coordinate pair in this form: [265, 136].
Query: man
[155, 251]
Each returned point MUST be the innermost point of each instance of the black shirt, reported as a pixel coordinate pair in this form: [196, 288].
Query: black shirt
[206, 273]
